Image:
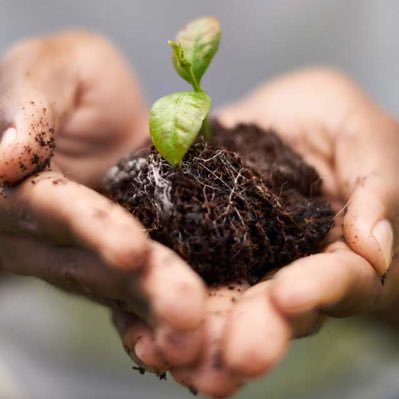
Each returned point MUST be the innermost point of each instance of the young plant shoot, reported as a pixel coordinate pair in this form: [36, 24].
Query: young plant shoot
[177, 119]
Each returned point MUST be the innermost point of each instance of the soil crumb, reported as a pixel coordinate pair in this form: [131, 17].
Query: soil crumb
[235, 209]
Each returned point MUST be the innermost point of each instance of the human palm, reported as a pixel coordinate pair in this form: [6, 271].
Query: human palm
[352, 144]
[75, 89]
[54, 228]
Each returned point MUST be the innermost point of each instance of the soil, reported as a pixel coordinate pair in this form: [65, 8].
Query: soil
[234, 210]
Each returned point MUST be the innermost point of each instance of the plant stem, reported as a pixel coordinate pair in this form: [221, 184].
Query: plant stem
[206, 130]
[194, 82]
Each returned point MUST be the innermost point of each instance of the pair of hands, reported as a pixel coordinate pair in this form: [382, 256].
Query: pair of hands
[56, 227]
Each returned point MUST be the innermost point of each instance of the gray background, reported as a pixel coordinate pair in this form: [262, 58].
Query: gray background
[53, 346]
[261, 38]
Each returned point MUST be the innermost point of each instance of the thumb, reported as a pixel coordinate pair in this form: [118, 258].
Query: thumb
[367, 164]
[27, 135]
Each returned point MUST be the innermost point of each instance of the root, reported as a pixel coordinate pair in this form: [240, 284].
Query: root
[228, 220]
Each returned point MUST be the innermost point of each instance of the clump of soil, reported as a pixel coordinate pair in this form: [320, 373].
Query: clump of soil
[234, 209]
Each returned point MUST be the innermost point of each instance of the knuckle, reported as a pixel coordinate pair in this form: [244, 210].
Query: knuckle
[129, 257]
[71, 278]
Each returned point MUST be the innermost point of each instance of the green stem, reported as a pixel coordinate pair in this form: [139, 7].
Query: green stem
[206, 130]
[194, 82]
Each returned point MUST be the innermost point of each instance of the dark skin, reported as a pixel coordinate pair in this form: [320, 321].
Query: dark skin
[98, 114]
[53, 224]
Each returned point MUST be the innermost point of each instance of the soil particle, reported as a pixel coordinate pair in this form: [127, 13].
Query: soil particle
[235, 209]
[162, 376]
[141, 370]
[35, 159]
[193, 391]
[59, 180]
[38, 162]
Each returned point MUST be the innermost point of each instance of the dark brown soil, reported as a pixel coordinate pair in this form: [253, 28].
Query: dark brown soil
[229, 216]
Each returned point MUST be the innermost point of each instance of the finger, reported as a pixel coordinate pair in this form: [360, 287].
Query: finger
[80, 108]
[305, 107]
[179, 348]
[73, 269]
[178, 335]
[257, 336]
[338, 282]
[51, 207]
[351, 142]
[33, 102]
[367, 162]
[139, 342]
[306, 324]
[110, 116]
[67, 213]
[27, 136]
[250, 307]
[81, 271]
[209, 375]
[178, 297]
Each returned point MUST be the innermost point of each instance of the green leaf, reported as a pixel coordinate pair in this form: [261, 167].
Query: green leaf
[175, 121]
[194, 49]
[182, 66]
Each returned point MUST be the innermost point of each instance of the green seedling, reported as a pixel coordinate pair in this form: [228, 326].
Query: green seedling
[177, 119]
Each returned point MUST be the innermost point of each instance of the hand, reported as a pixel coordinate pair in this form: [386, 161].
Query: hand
[353, 144]
[74, 88]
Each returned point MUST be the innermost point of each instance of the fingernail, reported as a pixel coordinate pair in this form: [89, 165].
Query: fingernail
[136, 356]
[193, 390]
[383, 234]
[139, 354]
[9, 136]
[139, 351]
[132, 355]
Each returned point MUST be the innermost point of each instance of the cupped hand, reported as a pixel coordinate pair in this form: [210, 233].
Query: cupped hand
[353, 144]
[76, 91]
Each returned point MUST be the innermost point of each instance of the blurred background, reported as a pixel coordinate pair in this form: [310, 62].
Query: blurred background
[55, 346]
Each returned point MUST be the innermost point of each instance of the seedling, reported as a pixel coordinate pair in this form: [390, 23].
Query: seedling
[178, 118]
[234, 210]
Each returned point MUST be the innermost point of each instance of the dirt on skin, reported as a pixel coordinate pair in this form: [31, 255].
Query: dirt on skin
[234, 209]
[33, 161]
